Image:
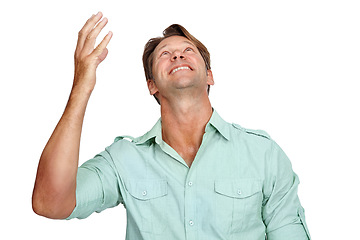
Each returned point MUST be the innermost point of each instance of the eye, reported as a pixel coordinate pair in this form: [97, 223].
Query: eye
[189, 49]
[164, 53]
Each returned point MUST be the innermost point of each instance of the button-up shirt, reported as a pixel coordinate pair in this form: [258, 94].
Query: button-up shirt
[240, 186]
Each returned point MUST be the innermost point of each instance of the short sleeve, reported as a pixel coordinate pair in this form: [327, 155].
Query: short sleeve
[97, 186]
[283, 214]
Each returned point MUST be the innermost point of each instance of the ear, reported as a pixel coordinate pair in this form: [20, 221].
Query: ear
[152, 86]
[210, 78]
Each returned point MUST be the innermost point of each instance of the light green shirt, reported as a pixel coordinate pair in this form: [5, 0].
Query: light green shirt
[240, 186]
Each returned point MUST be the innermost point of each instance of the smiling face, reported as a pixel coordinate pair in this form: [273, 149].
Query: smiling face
[178, 65]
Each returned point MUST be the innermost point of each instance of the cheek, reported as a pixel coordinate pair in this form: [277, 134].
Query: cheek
[159, 69]
[154, 70]
[198, 59]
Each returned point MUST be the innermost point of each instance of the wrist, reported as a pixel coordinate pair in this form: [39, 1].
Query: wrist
[80, 89]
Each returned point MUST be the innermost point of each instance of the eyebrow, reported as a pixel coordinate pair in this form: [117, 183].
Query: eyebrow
[188, 42]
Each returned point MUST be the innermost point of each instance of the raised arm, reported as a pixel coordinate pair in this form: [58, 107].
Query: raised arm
[55, 185]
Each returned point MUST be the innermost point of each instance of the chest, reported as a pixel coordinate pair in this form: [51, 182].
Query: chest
[187, 153]
[222, 191]
[218, 193]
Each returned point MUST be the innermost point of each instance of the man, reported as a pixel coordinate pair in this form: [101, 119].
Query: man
[192, 176]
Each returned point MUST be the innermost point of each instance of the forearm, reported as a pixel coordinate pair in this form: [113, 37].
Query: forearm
[54, 193]
[55, 185]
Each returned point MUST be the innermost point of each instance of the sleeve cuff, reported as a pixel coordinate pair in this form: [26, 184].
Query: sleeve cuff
[294, 231]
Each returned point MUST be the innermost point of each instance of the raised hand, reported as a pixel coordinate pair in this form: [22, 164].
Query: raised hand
[54, 193]
[87, 58]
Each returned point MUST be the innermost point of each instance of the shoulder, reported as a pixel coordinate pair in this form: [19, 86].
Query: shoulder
[121, 143]
[124, 138]
[124, 148]
[130, 142]
[251, 132]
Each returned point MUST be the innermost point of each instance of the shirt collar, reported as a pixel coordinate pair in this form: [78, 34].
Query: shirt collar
[219, 124]
[155, 132]
[215, 121]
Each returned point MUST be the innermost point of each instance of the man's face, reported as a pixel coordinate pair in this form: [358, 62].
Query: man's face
[178, 65]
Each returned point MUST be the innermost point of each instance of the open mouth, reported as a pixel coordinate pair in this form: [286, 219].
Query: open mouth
[180, 68]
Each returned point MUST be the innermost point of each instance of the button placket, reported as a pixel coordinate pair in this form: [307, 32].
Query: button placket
[190, 212]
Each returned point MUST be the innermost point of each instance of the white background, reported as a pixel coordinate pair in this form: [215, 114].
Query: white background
[288, 67]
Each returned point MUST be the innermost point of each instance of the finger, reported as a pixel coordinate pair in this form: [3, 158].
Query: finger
[102, 56]
[89, 25]
[100, 51]
[91, 37]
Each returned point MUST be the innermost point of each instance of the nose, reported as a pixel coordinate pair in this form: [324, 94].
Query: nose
[177, 55]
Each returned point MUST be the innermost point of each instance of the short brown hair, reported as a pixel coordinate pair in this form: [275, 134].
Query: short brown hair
[173, 30]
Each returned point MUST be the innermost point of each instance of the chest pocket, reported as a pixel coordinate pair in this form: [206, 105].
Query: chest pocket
[238, 203]
[147, 204]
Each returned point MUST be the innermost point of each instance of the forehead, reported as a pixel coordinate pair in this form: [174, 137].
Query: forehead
[173, 41]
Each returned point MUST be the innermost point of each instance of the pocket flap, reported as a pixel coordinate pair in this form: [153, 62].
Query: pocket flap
[147, 189]
[238, 188]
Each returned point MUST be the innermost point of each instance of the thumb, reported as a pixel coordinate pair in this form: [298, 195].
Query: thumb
[102, 56]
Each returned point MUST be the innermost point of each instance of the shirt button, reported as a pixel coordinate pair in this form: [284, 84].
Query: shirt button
[144, 193]
[239, 192]
[190, 184]
[191, 223]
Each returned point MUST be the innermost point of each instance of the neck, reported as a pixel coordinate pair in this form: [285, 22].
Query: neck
[183, 125]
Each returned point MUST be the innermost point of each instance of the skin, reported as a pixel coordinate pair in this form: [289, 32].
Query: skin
[55, 184]
[185, 111]
[185, 105]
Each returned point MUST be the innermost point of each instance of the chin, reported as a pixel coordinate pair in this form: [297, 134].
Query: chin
[184, 85]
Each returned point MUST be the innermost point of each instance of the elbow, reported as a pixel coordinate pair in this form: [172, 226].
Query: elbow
[36, 206]
[40, 208]
[52, 209]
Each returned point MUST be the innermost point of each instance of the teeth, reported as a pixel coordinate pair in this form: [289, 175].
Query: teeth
[179, 68]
